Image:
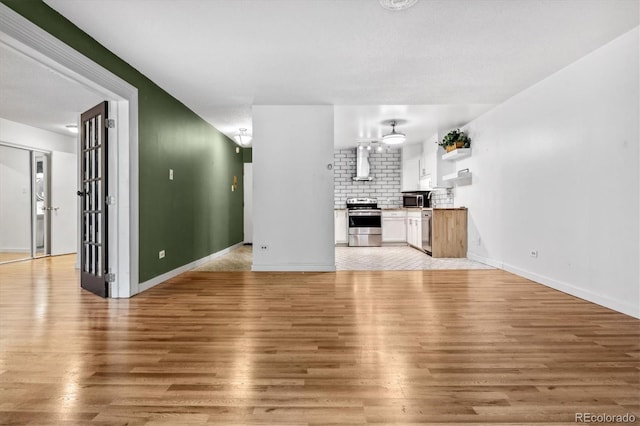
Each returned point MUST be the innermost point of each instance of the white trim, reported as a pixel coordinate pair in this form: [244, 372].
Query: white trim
[590, 296]
[485, 260]
[184, 268]
[24, 147]
[32, 41]
[303, 267]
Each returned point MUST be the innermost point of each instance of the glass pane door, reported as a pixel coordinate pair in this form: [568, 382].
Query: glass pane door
[41, 204]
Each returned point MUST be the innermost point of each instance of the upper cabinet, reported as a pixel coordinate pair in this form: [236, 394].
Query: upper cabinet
[411, 156]
[432, 155]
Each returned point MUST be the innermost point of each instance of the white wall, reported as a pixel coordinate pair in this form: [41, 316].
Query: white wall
[293, 188]
[15, 200]
[556, 169]
[11, 202]
[32, 137]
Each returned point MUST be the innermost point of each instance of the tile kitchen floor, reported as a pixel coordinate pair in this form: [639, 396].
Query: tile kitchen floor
[396, 258]
[355, 259]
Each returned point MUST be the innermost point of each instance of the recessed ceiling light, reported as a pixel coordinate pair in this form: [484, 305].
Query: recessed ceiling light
[397, 4]
[72, 128]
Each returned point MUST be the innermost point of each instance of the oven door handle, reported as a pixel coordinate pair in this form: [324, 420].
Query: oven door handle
[365, 213]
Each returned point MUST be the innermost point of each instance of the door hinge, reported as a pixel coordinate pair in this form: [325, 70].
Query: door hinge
[110, 200]
[110, 277]
[110, 123]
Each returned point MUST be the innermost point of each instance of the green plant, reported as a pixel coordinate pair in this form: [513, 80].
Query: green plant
[454, 136]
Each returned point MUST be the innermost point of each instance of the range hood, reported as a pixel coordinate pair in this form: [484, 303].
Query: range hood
[362, 165]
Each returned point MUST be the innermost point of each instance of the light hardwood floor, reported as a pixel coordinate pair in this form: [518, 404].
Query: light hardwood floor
[397, 347]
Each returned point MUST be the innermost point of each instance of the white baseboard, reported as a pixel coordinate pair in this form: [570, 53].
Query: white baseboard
[184, 268]
[311, 267]
[590, 296]
[485, 260]
[15, 250]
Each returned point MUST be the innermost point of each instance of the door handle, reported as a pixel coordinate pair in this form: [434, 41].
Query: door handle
[80, 193]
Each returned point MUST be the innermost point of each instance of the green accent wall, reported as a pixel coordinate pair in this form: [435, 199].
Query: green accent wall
[247, 155]
[197, 213]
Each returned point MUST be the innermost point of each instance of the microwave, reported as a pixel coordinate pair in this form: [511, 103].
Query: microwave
[415, 199]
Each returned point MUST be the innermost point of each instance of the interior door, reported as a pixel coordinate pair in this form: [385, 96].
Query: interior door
[248, 203]
[64, 203]
[93, 175]
[41, 204]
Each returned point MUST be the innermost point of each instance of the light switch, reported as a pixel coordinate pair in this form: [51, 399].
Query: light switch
[170, 174]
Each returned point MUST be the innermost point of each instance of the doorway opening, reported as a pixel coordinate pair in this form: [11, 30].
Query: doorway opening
[29, 41]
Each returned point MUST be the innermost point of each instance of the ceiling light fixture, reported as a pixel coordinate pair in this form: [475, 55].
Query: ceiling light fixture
[243, 138]
[72, 128]
[394, 137]
[397, 4]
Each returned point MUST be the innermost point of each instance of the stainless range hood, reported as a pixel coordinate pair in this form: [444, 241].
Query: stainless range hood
[362, 165]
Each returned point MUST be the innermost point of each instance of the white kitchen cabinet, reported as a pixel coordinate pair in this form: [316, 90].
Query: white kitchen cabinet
[414, 228]
[434, 165]
[423, 167]
[340, 225]
[394, 227]
[411, 158]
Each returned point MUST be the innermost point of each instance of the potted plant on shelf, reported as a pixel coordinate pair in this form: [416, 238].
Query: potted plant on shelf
[455, 139]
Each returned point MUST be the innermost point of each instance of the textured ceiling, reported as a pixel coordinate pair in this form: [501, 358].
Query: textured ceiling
[38, 96]
[219, 57]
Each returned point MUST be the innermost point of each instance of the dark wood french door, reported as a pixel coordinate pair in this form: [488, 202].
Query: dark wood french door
[93, 223]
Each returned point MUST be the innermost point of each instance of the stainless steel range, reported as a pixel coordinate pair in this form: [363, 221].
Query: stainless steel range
[365, 222]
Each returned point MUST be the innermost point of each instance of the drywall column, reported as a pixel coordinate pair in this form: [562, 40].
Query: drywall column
[293, 188]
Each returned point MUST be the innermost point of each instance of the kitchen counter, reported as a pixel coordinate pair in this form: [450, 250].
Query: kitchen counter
[418, 209]
[444, 208]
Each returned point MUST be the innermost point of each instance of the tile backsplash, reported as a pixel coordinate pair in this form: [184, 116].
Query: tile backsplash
[386, 169]
[442, 198]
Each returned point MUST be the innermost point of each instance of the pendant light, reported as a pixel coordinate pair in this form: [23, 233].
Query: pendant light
[394, 137]
[243, 138]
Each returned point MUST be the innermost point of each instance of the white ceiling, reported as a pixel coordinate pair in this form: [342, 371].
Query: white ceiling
[440, 63]
[33, 94]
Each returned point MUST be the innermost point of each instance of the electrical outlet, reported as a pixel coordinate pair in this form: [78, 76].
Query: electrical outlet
[533, 253]
[264, 247]
[170, 174]
[161, 254]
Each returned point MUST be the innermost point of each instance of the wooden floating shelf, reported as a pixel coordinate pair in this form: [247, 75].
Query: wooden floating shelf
[457, 154]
